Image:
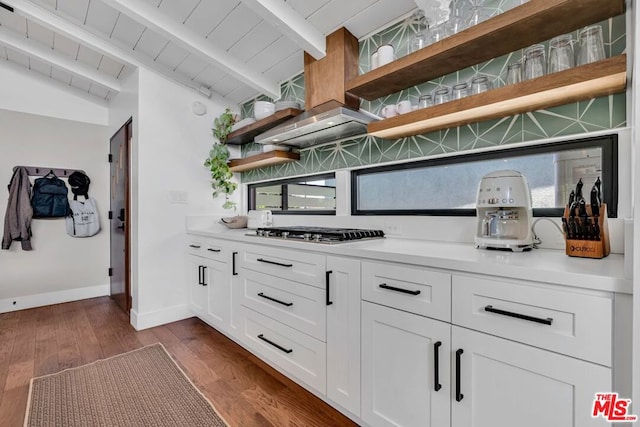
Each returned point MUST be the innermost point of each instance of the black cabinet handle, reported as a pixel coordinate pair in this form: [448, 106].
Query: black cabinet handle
[288, 304]
[233, 264]
[274, 263]
[279, 347]
[195, 246]
[328, 283]
[459, 395]
[393, 288]
[436, 366]
[213, 250]
[204, 268]
[490, 309]
[200, 275]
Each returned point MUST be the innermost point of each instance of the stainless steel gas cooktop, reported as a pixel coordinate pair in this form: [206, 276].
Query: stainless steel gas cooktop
[318, 234]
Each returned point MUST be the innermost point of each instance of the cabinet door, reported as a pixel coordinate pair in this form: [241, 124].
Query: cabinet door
[504, 383]
[343, 333]
[218, 284]
[405, 368]
[197, 289]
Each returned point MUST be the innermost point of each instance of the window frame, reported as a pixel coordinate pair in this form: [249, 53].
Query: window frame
[252, 194]
[607, 143]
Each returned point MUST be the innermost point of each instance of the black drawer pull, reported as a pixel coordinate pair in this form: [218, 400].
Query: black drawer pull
[459, 396]
[288, 304]
[204, 277]
[200, 271]
[233, 264]
[213, 250]
[327, 277]
[436, 366]
[195, 246]
[404, 291]
[547, 321]
[274, 263]
[279, 347]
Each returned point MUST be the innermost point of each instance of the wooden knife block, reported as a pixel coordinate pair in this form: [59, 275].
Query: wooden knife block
[590, 248]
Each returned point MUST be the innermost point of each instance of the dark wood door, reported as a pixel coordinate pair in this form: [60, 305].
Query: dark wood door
[120, 146]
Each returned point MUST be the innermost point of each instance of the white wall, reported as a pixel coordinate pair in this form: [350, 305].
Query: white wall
[169, 150]
[60, 267]
[29, 92]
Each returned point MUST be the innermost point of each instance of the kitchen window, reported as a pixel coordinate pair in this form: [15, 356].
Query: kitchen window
[448, 186]
[313, 195]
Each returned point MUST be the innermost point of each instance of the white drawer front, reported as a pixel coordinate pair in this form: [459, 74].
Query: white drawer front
[212, 250]
[285, 348]
[298, 266]
[571, 323]
[195, 246]
[302, 307]
[413, 289]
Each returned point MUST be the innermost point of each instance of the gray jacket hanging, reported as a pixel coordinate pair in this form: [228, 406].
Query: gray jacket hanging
[17, 219]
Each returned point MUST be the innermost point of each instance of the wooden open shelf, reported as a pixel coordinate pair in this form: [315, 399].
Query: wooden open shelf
[519, 27]
[274, 157]
[600, 78]
[247, 133]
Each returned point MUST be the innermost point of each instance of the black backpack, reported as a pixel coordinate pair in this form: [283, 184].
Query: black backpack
[49, 199]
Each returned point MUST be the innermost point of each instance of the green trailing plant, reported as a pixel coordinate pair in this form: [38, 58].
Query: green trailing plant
[218, 159]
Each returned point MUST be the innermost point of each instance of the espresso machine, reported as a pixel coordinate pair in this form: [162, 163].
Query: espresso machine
[504, 212]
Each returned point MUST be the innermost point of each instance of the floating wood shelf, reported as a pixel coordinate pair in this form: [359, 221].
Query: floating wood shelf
[519, 27]
[271, 158]
[247, 133]
[601, 78]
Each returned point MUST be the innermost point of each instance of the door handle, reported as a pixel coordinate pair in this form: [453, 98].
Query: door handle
[288, 304]
[328, 283]
[490, 309]
[199, 275]
[233, 264]
[204, 277]
[274, 262]
[404, 291]
[459, 396]
[436, 366]
[278, 346]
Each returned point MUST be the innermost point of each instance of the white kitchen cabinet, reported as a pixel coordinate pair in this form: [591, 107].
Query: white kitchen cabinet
[343, 332]
[405, 369]
[504, 384]
[209, 282]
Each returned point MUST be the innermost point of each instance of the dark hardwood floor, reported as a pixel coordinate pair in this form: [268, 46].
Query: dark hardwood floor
[245, 391]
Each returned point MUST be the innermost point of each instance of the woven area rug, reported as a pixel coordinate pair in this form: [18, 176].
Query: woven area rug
[144, 387]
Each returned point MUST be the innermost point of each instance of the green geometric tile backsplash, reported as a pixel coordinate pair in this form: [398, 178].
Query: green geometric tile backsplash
[603, 113]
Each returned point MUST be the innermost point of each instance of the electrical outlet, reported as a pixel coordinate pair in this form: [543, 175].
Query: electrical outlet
[391, 227]
[180, 197]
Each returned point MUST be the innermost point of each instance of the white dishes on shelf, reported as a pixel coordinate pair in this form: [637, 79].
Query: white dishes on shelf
[271, 147]
[262, 109]
[242, 123]
[283, 105]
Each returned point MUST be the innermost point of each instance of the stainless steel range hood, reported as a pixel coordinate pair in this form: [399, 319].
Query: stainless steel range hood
[326, 123]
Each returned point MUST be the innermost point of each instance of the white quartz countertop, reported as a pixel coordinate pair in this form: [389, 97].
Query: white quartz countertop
[540, 265]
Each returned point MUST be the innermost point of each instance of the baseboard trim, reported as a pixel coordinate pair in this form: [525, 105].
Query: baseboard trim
[150, 319]
[49, 298]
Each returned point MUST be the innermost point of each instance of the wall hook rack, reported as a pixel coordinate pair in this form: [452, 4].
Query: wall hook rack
[42, 171]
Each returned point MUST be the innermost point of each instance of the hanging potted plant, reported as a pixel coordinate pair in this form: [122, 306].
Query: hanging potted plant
[218, 159]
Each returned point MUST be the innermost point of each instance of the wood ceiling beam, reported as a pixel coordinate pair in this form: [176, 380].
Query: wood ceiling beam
[154, 19]
[290, 23]
[115, 50]
[39, 51]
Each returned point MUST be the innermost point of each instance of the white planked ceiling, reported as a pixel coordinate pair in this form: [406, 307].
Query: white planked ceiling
[240, 51]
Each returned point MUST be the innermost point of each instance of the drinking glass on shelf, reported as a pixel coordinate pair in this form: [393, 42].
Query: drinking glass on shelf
[457, 20]
[480, 84]
[477, 14]
[535, 63]
[561, 55]
[442, 95]
[425, 101]
[438, 32]
[421, 38]
[459, 91]
[591, 45]
[514, 73]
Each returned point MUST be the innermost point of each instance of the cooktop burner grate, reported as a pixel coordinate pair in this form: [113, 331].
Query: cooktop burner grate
[319, 234]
